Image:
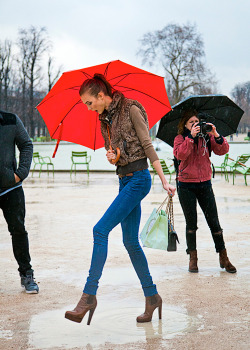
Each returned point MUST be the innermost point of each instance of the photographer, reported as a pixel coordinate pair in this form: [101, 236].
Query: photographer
[192, 148]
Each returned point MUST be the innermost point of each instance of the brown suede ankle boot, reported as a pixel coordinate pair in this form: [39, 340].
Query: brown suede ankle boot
[225, 263]
[151, 304]
[87, 303]
[193, 261]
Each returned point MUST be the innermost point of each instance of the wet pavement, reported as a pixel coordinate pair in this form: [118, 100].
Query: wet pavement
[207, 310]
[62, 333]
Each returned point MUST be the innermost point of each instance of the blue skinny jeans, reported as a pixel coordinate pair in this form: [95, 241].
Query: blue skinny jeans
[125, 210]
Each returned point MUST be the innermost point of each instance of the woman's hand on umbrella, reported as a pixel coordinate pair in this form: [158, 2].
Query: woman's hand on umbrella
[214, 131]
[169, 188]
[110, 155]
[195, 130]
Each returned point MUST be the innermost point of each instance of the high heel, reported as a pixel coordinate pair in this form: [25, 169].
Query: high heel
[151, 304]
[87, 303]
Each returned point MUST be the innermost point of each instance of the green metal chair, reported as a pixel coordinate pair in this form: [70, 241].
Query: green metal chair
[80, 158]
[244, 170]
[238, 162]
[40, 161]
[167, 170]
[223, 166]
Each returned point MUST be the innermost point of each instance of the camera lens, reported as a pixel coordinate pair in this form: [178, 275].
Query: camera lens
[207, 128]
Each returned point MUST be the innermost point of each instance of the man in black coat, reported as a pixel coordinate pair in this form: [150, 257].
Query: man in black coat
[12, 201]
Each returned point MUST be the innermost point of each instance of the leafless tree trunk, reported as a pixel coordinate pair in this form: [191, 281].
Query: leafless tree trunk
[52, 77]
[5, 72]
[32, 44]
[179, 50]
[241, 96]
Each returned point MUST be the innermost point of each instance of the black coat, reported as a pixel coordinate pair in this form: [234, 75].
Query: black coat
[12, 134]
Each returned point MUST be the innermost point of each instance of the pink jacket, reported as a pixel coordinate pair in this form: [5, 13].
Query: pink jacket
[195, 163]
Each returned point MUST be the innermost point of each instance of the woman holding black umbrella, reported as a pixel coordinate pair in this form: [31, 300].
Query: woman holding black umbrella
[124, 126]
[192, 148]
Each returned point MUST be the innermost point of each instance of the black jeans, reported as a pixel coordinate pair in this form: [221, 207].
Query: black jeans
[13, 207]
[188, 197]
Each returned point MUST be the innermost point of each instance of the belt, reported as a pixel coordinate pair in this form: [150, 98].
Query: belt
[129, 174]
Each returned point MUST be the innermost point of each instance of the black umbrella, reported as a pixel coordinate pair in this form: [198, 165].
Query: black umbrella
[216, 109]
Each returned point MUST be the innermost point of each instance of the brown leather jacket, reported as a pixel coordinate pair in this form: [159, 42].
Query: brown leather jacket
[122, 132]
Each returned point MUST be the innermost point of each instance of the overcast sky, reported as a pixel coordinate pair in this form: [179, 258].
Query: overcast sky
[86, 33]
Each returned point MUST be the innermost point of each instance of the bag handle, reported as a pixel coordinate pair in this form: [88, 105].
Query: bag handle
[170, 211]
[162, 204]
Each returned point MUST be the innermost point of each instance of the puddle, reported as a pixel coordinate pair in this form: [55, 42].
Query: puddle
[233, 205]
[6, 334]
[232, 200]
[235, 209]
[124, 277]
[4, 246]
[116, 324]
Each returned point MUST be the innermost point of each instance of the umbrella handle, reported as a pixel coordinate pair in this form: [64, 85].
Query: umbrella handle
[118, 154]
[59, 139]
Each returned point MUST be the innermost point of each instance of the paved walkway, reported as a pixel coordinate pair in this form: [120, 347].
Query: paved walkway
[208, 310]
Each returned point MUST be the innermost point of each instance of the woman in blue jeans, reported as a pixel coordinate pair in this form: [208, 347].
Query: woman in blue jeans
[124, 127]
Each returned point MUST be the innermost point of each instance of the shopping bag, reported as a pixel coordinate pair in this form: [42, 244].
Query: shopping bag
[158, 232]
[155, 232]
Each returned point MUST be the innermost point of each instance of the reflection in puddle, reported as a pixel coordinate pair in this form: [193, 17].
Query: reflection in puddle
[50, 329]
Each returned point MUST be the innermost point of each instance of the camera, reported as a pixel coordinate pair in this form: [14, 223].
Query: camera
[204, 128]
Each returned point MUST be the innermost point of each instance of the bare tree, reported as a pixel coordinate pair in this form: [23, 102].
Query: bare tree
[180, 51]
[52, 75]
[241, 96]
[32, 43]
[6, 60]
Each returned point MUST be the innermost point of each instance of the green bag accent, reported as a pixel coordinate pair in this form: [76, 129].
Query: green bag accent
[159, 232]
[155, 232]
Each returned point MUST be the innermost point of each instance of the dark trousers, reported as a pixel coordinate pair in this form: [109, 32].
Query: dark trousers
[188, 199]
[13, 207]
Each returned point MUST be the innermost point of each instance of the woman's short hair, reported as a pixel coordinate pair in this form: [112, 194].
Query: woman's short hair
[95, 85]
[186, 116]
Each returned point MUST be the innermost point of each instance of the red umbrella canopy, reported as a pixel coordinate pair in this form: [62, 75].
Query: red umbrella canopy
[68, 119]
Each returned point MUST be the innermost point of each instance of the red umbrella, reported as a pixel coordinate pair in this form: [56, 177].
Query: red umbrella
[68, 119]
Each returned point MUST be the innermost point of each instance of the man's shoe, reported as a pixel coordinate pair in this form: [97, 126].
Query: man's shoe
[28, 283]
